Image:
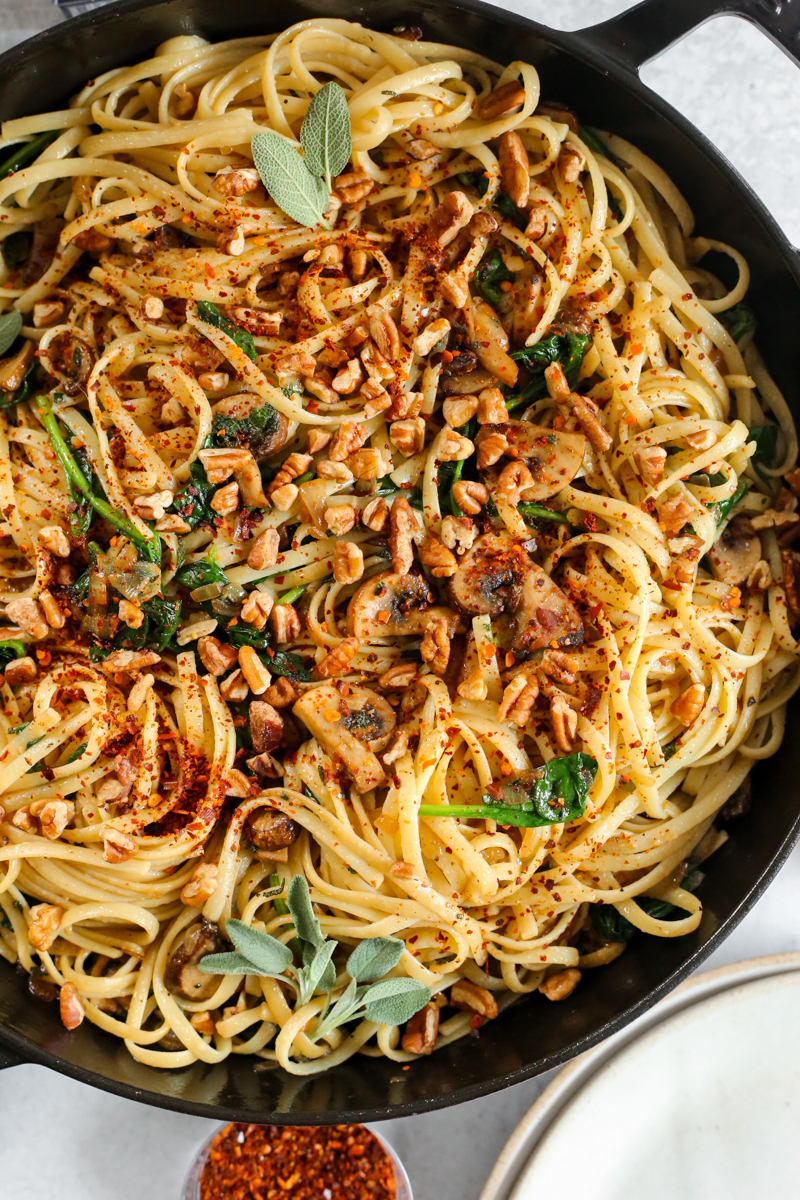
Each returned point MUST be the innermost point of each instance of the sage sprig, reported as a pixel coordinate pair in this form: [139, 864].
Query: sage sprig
[300, 186]
[389, 1001]
[10, 325]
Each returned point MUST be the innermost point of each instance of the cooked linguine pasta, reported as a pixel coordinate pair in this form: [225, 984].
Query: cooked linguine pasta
[467, 496]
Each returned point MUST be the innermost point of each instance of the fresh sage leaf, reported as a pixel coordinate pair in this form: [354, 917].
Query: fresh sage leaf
[311, 977]
[373, 958]
[10, 326]
[227, 964]
[301, 195]
[268, 955]
[393, 1001]
[325, 135]
[305, 921]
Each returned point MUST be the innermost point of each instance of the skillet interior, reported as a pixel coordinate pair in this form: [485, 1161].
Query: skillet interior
[533, 1036]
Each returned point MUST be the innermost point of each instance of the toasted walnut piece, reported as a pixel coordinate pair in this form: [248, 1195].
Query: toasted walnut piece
[54, 817]
[92, 240]
[491, 449]
[430, 336]
[318, 440]
[221, 464]
[420, 1033]
[55, 617]
[399, 677]
[334, 470]
[185, 100]
[284, 497]
[47, 312]
[704, 439]
[458, 533]
[407, 404]
[376, 365]
[281, 694]
[287, 282]
[471, 998]
[460, 409]
[117, 846]
[561, 984]
[27, 614]
[771, 518]
[22, 819]
[201, 886]
[339, 518]
[266, 726]
[285, 623]
[348, 438]
[585, 410]
[368, 464]
[491, 407]
[513, 480]
[469, 496]
[298, 363]
[226, 499]
[674, 512]
[264, 550]
[264, 767]
[559, 665]
[70, 1006]
[257, 608]
[138, 693]
[449, 217]
[384, 332]
[216, 657]
[570, 163]
[257, 321]
[235, 181]
[511, 694]
[502, 100]
[20, 670]
[514, 168]
[203, 1022]
[436, 556]
[153, 507]
[452, 447]
[213, 381]
[435, 648]
[337, 659]
[759, 579]
[359, 261]
[234, 687]
[55, 540]
[564, 721]
[353, 186]
[474, 687]
[348, 562]
[320, 387]
[421, 149]
[650, 462]
[200, 354]
[257, 676]
[375, 514]
[689, 704]
[537, 222]
[348, 379]
[408, 436]
[232, 241]
[455, 289]
[404, 530]
[398, 746]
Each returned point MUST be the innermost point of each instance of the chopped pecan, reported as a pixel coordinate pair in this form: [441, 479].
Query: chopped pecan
[469, 496]
[201, 886]
[420, 1033]
[514, 168]
[257, 676]
[349, 437]
[471, 998]
[264, 550]
[504, 99]
[404, 530]
[561, 984]
[689, 704]
[408, 436]
[449, 217]
[650, 461]
[266, 726]
[216, 657]
[348, 562]
[435, 648]
[70, 1006]
[564, 721]
[436, 556]
[337, 658]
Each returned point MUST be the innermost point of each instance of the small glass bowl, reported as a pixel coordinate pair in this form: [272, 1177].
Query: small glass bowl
[192, 1188]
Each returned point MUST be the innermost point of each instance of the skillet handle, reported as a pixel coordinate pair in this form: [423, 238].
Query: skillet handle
[652, 26]
[9, 1059]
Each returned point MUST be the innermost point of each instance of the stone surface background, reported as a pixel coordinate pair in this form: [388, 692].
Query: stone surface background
[61, 1138]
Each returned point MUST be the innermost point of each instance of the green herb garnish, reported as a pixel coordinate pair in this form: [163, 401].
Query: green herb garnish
[242, 337]
[10, 326]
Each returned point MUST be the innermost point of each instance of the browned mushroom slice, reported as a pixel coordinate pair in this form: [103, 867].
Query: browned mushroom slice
[241, 405]
[350, 727]
[490, 342]
[735, 552]
[552, 456]
[390, 605]
[13, 369]
[183, 977]
[497, 576]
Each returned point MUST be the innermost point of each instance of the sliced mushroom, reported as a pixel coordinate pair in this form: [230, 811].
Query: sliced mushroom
[350, 727]
[270, 830]
[467, 385]
[71, 359]
[552, 456]
[12, 369]
[389, 605]
[497, 576]
[735, 552]
[183, 977]
[490, 342]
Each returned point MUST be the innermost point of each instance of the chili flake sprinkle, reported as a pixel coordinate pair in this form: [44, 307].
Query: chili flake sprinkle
[297, 1162]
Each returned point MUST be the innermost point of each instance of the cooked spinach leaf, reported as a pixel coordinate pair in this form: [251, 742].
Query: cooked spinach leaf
[568, 349]
[244, 340]
[255, 432]
[548, 795]
[192, 502]
[739, 320]
[723, 507]
[489, 274]
[200, 574]
[766, 440]
[11, 649]
[282, 662]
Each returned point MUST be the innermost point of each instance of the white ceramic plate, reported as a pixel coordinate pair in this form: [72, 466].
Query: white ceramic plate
[677, 1104]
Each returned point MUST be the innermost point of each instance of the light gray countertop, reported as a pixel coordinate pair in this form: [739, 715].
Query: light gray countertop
[60, 1138]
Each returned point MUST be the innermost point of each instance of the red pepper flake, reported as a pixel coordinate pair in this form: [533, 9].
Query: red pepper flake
[251, 1162]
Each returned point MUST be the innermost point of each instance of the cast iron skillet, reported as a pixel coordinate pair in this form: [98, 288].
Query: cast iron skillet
[595, 71]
